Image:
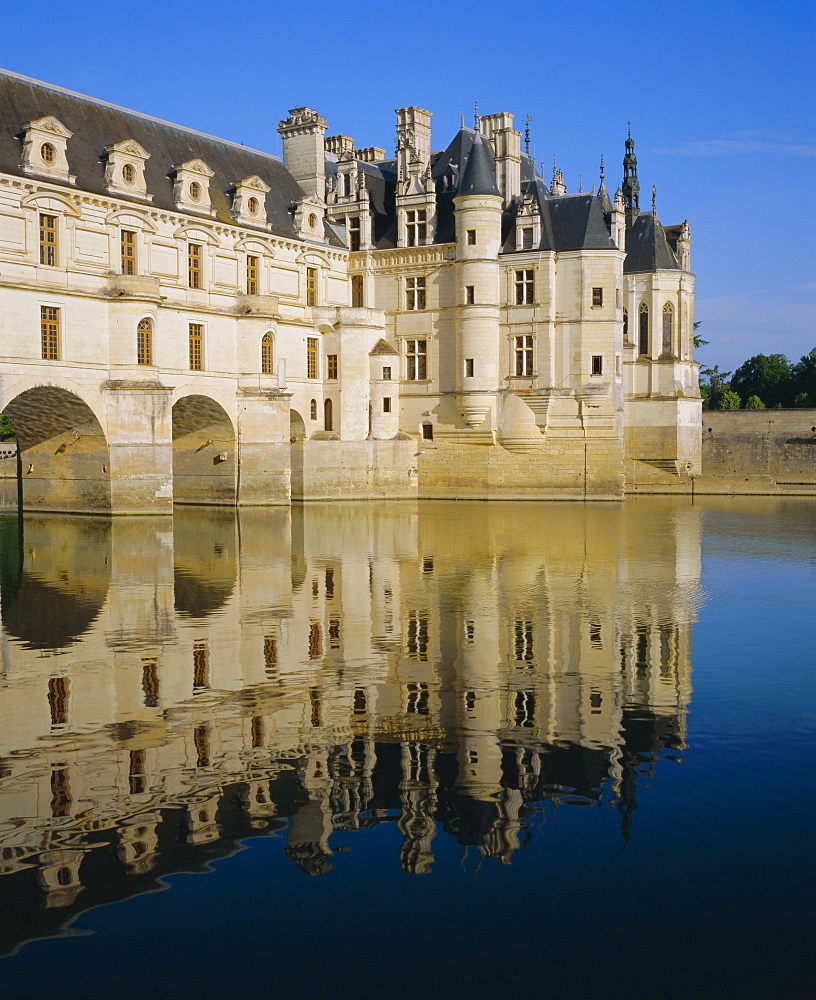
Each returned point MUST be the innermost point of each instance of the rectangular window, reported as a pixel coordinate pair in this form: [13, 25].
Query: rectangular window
[311, 358]
[470, 294]
[354, 232]
[127, 244]
[524, 355]
[597, 296]
[597, 364]
[527, 238]
[387, 373]
[417, 360]
[331, 366]
[416, 227]
[311, 288]
[251, 275]
[468, 367]
[414, 293]
[357, 291]
[525, 288]
[48, 240]
[427, 432]
[49, 331]
[387, 404]
[194, 265]
[471, 237]
[196, 347]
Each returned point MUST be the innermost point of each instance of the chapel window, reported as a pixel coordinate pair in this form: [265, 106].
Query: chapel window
[643, 345]
[668, 322]
[144, 342]
[266, 354]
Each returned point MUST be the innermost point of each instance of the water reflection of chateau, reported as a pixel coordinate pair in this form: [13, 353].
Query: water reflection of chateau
[172, 686]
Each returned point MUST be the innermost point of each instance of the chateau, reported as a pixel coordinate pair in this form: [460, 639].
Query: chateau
[185, 319]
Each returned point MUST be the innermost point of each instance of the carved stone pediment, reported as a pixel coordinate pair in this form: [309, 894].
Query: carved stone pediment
[45, 149]
[191, 188]
[249, 201]
[124, 169]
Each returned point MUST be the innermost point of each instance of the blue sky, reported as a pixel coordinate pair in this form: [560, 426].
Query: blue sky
[720, 96]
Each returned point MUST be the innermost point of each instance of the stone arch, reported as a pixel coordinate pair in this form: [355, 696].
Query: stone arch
[204, 463]
[64, 459]
[328, 415]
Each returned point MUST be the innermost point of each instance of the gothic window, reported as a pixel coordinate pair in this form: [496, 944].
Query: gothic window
[48, 240]
[643, 343]
[328, 417]
[144, 342]
[194, 264]
[266, 354]
[625, 325]
[525, 288]
[357, 299]
[668, 319]
[313, 410]
[524, 355]
[196, 343]
[417, 360]
[127, 249]
[311, 358]
[414, 293]
[416, 226]
[50, 333]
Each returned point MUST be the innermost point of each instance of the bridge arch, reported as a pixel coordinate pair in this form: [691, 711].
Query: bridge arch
[204, 460]
[64, 458]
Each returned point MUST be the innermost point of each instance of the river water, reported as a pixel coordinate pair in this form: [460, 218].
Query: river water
[423, 749]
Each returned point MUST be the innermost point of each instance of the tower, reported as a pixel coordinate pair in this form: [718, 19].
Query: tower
[631, 185]
[478, 210]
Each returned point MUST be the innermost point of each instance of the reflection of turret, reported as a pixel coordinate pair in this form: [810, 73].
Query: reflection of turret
[58, 875]
[200, 819]
[307, 841]
[418, 801]
[138, 843]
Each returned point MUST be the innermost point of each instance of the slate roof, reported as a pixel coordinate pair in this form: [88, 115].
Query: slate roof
[479, 175]
[647, 248]
[96, 125]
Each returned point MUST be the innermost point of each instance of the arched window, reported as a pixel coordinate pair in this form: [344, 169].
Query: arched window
[643, 343]
[625, 325]
[668, 319]
[266, 354]
[313, 409]
[144, 342]
[328, 421]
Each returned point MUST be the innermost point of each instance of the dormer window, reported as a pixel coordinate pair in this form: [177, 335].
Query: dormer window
[248, 201]
[191, 189]
[45, 145]
[124, 169]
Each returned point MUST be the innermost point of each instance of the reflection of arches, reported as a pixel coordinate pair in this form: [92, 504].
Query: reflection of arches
[328, 417]
[64, 457]
[63, 582]
[203, 452]
[205, 567]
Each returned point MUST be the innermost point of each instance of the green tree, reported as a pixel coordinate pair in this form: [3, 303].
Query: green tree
[754, 403]
[698, 340]
[713, 384]
[6, 429]
[804, 379]
[768, 376]
[729, 400]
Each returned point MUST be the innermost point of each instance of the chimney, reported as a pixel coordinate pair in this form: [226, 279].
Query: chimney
[303, 149]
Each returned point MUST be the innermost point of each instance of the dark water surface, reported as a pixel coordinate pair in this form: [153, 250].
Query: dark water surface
[414, 750]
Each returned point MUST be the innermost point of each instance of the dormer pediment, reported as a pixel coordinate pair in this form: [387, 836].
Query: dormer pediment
[309, 214]
[191, 188]
[124, 169]
[45, 149]
[249, 201]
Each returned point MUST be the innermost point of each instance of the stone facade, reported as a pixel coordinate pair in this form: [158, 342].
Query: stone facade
[188, 320]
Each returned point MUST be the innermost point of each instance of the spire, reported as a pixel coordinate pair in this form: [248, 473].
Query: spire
[631, 185]
[479, 177]
[527, 121]
[654, 201]
[603, 194]
[557, 186]
[477, 125]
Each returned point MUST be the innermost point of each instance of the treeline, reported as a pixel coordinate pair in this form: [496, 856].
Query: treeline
[765, 381]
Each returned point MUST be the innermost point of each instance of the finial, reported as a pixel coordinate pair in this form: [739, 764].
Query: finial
[555, 165]
[654, 200]
[462, 122]
[476, 123]
[602, 167]
[580, 183]
[527, 121]
[629, 126]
